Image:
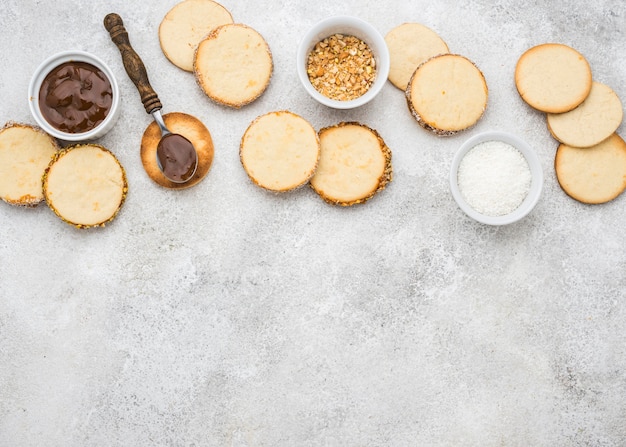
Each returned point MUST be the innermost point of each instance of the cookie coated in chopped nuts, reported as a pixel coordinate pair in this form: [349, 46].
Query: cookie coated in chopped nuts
[341, 67]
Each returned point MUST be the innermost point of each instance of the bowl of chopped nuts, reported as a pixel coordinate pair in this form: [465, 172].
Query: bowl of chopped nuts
[343, 62]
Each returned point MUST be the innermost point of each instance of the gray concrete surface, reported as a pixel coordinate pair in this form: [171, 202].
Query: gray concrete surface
[224, 315]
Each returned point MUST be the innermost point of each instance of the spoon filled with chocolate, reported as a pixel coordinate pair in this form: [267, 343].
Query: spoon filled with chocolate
[176, 156]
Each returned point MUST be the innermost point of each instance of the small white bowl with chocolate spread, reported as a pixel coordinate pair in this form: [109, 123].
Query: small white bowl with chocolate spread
[74, 96]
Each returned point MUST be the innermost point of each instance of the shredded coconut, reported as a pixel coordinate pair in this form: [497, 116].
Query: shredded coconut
[494, 178]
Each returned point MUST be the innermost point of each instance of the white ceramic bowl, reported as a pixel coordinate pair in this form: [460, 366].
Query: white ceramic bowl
[38, 78]
[536, 172]
[345, 25]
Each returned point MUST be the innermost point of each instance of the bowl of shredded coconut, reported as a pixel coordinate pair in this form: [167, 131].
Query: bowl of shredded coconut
[496, 178]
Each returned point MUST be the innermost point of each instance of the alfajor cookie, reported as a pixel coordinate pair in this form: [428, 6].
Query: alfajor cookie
[85, 185]
[355, 164]
[447, 94]
[279, 151]
[233, 65]
[409, 45]
[25, 152]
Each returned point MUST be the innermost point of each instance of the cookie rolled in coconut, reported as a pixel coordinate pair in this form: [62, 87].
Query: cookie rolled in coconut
[185, 25]
[233, 65]
[595, 174]
[25, 152]
[85, 185]
[594, 120]
[409, 45]
[355, 164]
[447, 94]
[553, 78]
[279, 151]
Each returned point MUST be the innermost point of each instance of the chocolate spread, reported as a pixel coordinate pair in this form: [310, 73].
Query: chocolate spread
[177, 157]
[75, 97]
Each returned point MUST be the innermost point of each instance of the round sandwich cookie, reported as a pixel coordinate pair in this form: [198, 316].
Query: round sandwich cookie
[447, 94]
[355, 164]
[233, 65]
[190, 128]
[25, 152]
[409, 45]
[185, 25]
[553, 77]
[279, 151]
[595, 174]
[85, 185]
[594, 120]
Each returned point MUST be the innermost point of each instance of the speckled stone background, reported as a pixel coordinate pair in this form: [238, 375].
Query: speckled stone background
[224, 315]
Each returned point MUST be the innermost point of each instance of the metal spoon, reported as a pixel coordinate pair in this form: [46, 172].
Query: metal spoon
[176, 157]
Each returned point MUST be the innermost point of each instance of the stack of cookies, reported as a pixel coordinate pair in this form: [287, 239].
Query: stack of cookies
[582, 115]
[446, 93]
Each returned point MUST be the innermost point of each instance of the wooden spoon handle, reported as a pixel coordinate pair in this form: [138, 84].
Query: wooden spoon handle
[135, 68]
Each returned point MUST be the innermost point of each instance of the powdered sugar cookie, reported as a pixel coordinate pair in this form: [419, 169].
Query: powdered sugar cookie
[596, 119]
[233, 65]
[447, 94]
[553, 77]
[409, 45]
[185, 25]
[595, 174]
[355, 163]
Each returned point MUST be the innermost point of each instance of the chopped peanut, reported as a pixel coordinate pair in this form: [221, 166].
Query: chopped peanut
[341, 67]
